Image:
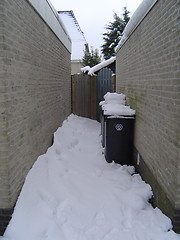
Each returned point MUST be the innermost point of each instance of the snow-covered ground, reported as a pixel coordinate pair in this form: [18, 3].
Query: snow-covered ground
[72, 193]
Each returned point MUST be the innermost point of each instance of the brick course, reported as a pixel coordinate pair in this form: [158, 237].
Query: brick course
[35, 92]
[148, 73]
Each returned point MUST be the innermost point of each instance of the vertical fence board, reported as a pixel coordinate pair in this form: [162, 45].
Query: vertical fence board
[113, 83]
[85, 94]
[93, 84]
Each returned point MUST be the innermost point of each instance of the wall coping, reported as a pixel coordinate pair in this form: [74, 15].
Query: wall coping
[50, 16]
[135, 20]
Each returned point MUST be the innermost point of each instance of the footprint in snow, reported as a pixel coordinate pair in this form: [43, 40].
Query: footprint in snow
[100, 218]
[63, 210]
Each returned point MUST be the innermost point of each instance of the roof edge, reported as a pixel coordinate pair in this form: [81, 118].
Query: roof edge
[70, 12]
[50, 16]
[135, 20]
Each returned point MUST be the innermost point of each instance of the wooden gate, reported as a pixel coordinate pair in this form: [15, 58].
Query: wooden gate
[105, 83]
[84, 95]
[88, 91]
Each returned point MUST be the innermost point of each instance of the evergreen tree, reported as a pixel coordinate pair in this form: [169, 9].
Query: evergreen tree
[114, 33]
[125, 16]
[91, 58]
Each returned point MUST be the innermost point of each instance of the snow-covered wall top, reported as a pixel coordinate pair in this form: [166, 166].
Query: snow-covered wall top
[135, 20]
[91, 71]
[50, 16]
[75, 33]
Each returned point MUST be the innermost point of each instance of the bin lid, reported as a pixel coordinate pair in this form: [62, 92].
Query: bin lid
[121, 116]
[117, 110]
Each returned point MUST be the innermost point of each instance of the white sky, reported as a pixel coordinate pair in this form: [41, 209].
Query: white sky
[94, 15]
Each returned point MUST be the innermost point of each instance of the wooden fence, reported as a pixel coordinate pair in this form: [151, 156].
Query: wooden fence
[84, 95]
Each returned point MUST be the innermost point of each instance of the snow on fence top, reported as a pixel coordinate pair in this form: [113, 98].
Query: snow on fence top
[50, 16]
[99, 66]
[114, 105]
[135, 20]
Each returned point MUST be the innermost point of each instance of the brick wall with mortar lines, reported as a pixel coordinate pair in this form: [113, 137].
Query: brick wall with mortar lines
[148, 73]
[35, 92]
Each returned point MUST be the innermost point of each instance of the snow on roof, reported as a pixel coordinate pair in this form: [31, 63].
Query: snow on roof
[75, 33]
[135, 20]
[99, 66]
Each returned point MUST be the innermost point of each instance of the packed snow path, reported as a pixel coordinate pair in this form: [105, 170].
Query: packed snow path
[72, 193]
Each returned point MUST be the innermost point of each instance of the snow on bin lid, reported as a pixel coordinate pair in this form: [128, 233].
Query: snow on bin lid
[118, 98]
[117, 109]
[114, 105]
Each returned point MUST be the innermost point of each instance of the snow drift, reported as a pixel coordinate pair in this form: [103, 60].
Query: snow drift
[72, 193]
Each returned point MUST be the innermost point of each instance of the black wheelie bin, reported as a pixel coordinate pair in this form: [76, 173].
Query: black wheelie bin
[118, 139]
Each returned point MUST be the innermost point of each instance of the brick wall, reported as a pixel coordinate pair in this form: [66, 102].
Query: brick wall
[148, 73]
[35, 93]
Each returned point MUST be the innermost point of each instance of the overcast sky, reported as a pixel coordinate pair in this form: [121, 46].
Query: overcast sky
[94, 15]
